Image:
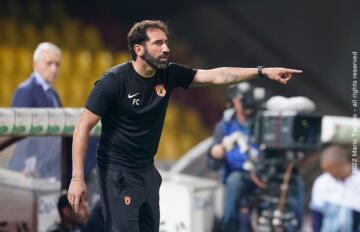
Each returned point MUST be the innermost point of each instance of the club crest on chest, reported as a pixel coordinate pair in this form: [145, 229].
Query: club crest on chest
[160, 90]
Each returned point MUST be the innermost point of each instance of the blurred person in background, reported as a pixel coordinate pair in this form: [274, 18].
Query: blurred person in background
[69, 220]
[231, 150]
[335, 201]
[37, 90]
[40, 156]
[131, 101]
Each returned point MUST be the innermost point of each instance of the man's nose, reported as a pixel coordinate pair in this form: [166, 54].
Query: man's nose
[165, 48]
[54, 67]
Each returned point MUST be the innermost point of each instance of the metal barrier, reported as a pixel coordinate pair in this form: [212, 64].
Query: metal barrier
[40, 121]
[19, 123]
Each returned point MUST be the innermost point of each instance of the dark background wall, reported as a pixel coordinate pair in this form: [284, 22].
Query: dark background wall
[316, 36]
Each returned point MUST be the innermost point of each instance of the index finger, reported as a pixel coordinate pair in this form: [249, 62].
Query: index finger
[76, 204]
[294, 70]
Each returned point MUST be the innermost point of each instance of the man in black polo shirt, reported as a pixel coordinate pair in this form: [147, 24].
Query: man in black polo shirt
[131, 100]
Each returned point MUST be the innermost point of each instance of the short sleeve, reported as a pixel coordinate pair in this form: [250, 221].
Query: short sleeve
[318, 194]
[218, 133]
[217, 138]
[103, 94]
[181, 75]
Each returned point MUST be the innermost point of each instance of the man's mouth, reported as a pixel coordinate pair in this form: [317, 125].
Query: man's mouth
[163, 58]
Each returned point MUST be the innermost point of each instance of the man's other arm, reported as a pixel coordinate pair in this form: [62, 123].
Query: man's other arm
[77, 188]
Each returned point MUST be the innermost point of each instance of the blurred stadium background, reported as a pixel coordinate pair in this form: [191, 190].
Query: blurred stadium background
[316, 36]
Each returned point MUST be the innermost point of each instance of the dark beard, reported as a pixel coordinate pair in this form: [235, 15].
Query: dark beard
[153, 62]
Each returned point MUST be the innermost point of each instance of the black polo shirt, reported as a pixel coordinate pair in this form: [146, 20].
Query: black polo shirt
[132, 110]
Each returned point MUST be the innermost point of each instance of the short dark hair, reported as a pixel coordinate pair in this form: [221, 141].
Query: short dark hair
[138, 33]
[63, 202]
[336, 153]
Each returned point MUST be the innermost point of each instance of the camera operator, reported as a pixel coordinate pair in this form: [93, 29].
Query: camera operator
[231, 151]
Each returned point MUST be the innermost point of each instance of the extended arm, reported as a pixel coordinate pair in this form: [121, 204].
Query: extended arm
[228, 75]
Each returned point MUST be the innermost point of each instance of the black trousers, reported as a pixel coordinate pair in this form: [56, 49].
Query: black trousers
[129, 198]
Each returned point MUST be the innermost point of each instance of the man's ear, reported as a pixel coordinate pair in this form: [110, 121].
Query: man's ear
[139, 49]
